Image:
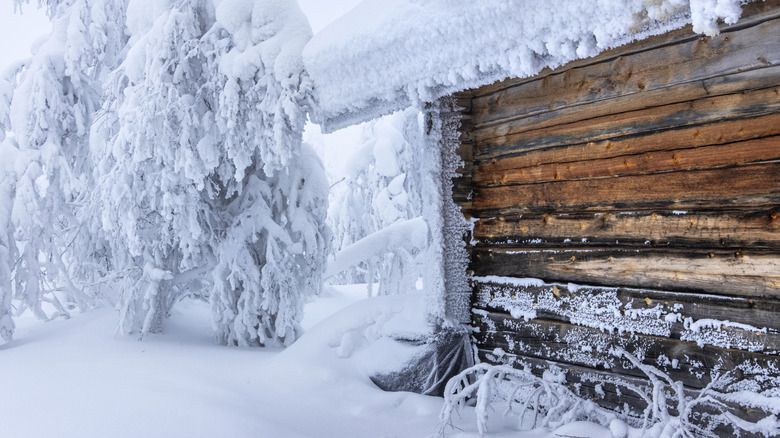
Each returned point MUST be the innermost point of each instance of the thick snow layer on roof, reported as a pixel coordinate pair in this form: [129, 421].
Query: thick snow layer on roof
[388, 54]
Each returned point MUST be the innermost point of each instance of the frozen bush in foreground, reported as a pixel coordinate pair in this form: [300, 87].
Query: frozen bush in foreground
[548, 402]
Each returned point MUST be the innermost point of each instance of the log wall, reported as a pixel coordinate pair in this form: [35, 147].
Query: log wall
[631, 200]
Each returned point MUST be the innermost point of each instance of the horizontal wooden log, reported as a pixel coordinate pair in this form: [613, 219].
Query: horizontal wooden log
[731, 273]
[638, 163]
[620, 123]
[757, 229]
[717, 133]
[646, 311]
[752, 14]
[738, 186]
[685, 362]
[690, 61]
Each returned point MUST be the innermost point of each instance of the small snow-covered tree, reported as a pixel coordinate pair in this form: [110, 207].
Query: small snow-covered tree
[150, 172]
[7, 185]
[54, 97]
[382, 187]
[274, 238]
[7, 244]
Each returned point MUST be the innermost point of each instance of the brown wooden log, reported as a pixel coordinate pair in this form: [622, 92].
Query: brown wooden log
[620, 123]
[752, 14]
[641, 163]
[571, 344]
[646, 311]
[625, 77]
[738, 186]
[719, 133]
[757, 229]
[731, 273]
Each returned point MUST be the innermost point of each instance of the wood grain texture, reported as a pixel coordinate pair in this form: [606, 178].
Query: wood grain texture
[752, 185]
[719, 133]
[649, 73]
[634, 307]
[752, 14]
[705, 157]
[620, 123]
[756, 229]
[731, 273]
[590, 347]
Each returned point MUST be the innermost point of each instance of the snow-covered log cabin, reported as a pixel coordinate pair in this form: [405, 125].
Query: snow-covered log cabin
[619, 188]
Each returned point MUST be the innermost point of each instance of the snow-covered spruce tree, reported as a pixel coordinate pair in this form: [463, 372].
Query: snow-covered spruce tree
[205, 185]
[7, 185]
[151, 175]
[383, 187]
[54, 97]
[273, 239]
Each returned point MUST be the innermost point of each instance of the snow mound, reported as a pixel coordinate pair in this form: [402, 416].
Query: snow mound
[385, 55]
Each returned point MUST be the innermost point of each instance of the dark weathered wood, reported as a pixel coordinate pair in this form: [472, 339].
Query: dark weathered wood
[731, 273]
[758, 229]
[635, 310]
[705, 157]
[584, 346]
[738, 186]
[507, 138]
[626, 76]
[718, 133]
[752, 14]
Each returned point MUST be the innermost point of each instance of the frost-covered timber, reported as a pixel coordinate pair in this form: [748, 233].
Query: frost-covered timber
[629, 202]
[406, 52]
[446, 276]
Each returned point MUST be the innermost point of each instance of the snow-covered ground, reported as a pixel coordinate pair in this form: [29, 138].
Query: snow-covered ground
[72, 378]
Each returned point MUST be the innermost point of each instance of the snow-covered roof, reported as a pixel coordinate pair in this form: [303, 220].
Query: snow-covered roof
[385, 55]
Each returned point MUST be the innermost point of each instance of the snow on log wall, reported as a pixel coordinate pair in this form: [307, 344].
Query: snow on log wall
[386, 55]
[631, 200]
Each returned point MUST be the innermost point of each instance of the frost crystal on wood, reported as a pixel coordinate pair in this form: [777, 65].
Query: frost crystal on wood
[447, 282]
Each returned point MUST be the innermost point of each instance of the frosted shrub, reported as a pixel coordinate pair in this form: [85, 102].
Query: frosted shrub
[548, 402]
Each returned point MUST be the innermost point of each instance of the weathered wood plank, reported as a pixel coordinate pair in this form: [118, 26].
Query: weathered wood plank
[651, 312]
[732, 273]
[757, 229]
[626, 76]
[718, 133]
[618, 122]
[570, 344]
[739, 186]
[752, 14]
[705, 157]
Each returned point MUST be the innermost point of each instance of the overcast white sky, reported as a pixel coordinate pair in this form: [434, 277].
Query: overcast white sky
[18, 32]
